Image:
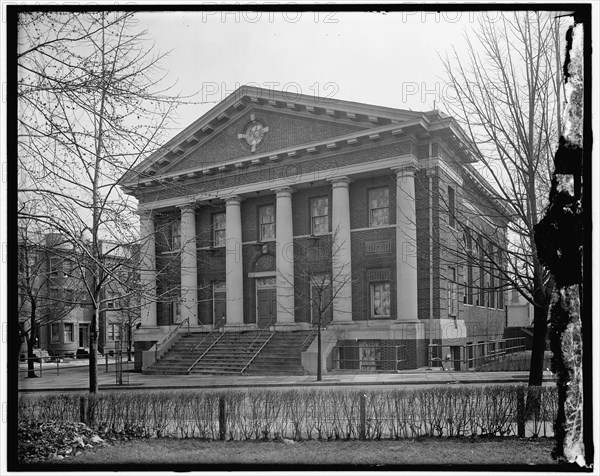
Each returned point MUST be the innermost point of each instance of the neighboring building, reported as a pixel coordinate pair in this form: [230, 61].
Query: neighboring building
[519, 311]
[52, 276]
[266, 179]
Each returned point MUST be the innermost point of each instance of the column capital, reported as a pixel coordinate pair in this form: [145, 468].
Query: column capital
[283, 191]
[407, 169]
[187, 206]
[233, 200]
[341, 181]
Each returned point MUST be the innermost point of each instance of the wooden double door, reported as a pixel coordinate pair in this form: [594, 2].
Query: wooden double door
[266, 308]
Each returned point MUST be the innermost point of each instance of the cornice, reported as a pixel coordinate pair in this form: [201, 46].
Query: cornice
[238, 190]
[349, 141]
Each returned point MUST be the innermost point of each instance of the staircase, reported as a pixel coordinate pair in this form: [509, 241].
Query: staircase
[182, 355]
[275, 353]
[282, 355]
[231, 353]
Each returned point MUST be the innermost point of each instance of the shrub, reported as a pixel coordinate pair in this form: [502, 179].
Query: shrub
[307, 414]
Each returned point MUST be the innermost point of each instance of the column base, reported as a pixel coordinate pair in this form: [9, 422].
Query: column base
[344, 323]
[242, 326]
[287, 325]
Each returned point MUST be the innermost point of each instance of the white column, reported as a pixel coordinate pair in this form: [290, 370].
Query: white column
[341, 266]
[285, 255]
[189, 265]
[234, 280]
[147, 269]
[406, 244]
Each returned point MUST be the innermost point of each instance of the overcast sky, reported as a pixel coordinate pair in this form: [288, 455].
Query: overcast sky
[387, 59]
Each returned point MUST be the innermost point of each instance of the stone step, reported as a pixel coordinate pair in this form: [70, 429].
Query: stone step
[232, 351]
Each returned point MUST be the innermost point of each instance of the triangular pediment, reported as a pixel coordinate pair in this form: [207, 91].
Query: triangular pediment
[283, 121]
[278, 130]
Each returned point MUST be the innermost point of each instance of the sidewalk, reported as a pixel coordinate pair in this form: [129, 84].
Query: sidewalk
[75, 378]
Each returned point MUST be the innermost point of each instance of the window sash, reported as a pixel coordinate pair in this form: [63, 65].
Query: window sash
[482, 272]
[176, 235]
[219, 229]
[68, 332]
[266, 219]
[319, 212]
[379, 206]
[114, 332]
[54, 333]
[451, 208]
[380, 300]
[452, 294]
[320, 225]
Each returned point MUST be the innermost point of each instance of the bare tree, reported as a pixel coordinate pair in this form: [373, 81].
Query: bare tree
[320, 277]
[92, 105]
[506, 95]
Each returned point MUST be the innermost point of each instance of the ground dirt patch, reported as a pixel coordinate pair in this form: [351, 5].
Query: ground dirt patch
[426, 451]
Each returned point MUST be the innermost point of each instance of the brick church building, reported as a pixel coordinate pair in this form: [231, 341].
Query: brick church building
[275, 210]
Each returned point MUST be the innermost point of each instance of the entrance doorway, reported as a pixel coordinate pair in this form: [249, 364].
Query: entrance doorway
[266, 302]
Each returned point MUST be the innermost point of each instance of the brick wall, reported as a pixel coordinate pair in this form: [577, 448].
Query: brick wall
[285, 130]
[394, 354]
[422, 203]
[311, 256]
[211, 268]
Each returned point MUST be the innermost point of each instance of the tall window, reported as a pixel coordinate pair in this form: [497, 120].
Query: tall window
[470, 258]
[380, 300]
[54, 332]
[218, 222]
[319, 215]
[451, 208]
[452, 293]
[379, 206]
[481, 271]
[114, 332]
[492, 291]
[499, 264]
[266, 219]
[176, 235]
[68, 327]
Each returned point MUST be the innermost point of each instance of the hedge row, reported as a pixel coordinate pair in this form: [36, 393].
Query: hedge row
[309, 414]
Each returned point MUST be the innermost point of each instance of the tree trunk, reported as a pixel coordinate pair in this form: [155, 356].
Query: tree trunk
[30, 356]
[93, 371]
[540, 320]
[319, 370]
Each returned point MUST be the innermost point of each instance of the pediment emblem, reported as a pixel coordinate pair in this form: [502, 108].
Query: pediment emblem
[254, 132]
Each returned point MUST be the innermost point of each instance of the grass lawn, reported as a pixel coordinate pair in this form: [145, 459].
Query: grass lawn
[427, 451]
